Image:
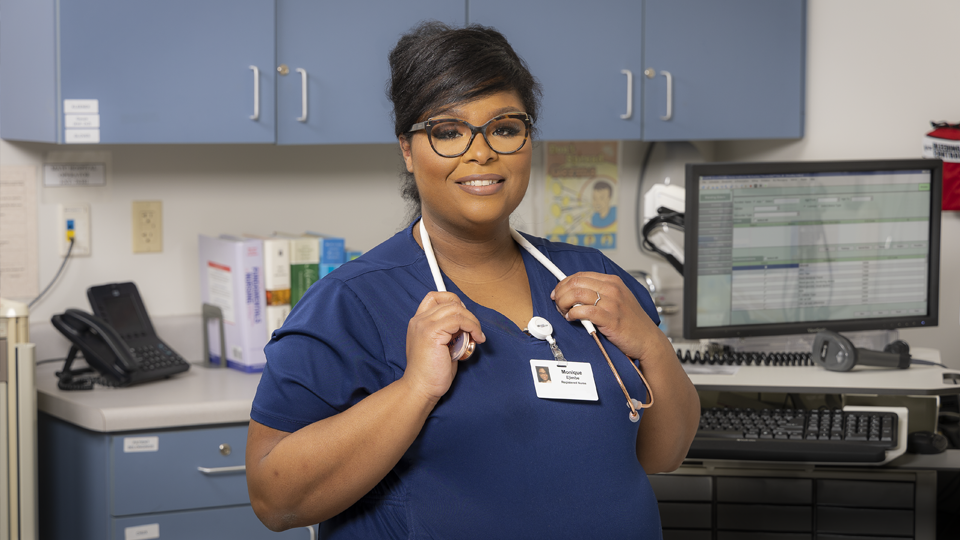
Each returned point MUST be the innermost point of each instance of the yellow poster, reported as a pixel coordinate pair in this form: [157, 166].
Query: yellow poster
[582, 190]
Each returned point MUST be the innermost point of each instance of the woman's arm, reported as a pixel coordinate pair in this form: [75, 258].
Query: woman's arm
[668, 427]
[302, 478]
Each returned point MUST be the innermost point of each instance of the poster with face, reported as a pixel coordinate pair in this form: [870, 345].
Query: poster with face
[582, 193]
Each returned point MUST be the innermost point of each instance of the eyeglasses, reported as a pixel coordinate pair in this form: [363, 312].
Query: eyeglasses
[505, 134]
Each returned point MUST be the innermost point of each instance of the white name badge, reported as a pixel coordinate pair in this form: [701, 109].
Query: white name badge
[572, 380]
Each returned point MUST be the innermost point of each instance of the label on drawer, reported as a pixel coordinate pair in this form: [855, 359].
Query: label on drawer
[141, 444]
[142, 532]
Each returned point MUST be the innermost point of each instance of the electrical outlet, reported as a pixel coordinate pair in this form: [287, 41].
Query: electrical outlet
[147, 226]
[73, 221]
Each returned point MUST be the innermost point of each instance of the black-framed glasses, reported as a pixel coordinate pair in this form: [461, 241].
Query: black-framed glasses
[449, 137]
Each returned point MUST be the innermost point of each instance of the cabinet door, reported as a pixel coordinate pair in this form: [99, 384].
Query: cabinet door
[737, 69]
[578, 51]
[341, 48]
[173, 71]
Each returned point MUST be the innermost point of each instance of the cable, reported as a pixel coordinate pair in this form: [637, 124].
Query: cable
[667, 217]
[637, 214]
[54, 280]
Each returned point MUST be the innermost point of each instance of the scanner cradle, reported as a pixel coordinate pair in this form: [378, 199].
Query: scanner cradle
[837, 353]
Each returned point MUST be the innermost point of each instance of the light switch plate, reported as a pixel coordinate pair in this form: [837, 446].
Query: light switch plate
[147, 219]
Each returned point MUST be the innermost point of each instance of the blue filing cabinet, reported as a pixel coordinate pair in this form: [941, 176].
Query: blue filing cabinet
[736, 67]
[146, 484]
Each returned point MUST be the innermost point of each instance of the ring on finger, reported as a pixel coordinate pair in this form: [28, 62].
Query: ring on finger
[598, 299]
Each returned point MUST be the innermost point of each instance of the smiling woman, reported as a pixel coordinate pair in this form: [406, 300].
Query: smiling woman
[363, 419]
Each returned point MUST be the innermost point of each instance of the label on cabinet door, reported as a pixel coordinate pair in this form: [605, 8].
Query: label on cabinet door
[141, 444]
[81, 106]
[142, 532]
[81, 136]
[81, 121]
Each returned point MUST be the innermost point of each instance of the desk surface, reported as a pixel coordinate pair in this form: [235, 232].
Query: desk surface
[916, 380]
[200, 396]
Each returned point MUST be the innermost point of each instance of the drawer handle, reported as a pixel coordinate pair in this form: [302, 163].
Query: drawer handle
[212, 471]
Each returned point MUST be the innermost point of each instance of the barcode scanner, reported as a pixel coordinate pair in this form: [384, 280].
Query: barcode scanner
[836, 353]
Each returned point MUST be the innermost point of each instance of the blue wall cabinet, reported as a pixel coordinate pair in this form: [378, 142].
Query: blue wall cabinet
[735, 68]
[333, 70]
[114, 71]
[586, 56]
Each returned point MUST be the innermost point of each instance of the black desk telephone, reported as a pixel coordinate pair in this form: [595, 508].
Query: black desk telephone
[118, 341]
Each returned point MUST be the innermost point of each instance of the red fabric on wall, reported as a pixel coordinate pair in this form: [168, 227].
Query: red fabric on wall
[944, 143]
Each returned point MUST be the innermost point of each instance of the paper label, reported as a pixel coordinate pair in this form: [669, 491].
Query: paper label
[81, 136]
[81, 120]
[220, 286]
[74, 174]
[81, 106]
[142, 532]
[141, 444]
[945, 149]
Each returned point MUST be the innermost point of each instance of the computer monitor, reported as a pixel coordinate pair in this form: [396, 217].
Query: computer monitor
[797, 247]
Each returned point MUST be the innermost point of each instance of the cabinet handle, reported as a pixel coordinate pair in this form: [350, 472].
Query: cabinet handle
[303, 94]
[629, 112]
[212, 471]
[256, 93]
[669, 77]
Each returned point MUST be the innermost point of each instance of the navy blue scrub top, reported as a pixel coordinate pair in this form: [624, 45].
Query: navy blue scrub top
[492, 460]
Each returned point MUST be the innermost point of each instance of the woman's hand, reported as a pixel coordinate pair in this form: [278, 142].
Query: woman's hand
[440, 317]
[615, 312]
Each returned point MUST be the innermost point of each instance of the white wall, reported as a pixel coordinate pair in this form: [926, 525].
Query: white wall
[878, 71]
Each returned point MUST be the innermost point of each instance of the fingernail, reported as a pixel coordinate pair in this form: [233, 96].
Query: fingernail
[553, 294]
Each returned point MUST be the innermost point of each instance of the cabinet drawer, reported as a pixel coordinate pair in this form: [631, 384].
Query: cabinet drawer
[759, 517]
[865, 494]
[686, 515]
[159, 471]
[675, 487]
[765, 490]
[865, 522]
[233, 523]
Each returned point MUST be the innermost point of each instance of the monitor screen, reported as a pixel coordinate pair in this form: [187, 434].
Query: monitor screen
[792, 248]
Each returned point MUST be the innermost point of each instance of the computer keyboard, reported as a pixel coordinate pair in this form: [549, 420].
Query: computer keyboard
[850, 435]
[730, 358]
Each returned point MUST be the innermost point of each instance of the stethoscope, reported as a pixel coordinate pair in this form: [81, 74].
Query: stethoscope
[463, 345]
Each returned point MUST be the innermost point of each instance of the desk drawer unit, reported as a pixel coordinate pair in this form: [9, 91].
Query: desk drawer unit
[176, 484]
[794, 504]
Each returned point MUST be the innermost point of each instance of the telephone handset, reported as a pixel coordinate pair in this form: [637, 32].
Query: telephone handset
[101, 345]
[118, 341]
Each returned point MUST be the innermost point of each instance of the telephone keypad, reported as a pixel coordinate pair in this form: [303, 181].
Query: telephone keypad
[156, 356]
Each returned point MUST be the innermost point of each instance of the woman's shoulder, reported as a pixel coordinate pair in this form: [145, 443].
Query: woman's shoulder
[573, 253]
[398, 251]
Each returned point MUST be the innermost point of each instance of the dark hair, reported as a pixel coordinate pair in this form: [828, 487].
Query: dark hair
[434, 66]
[600, 184]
